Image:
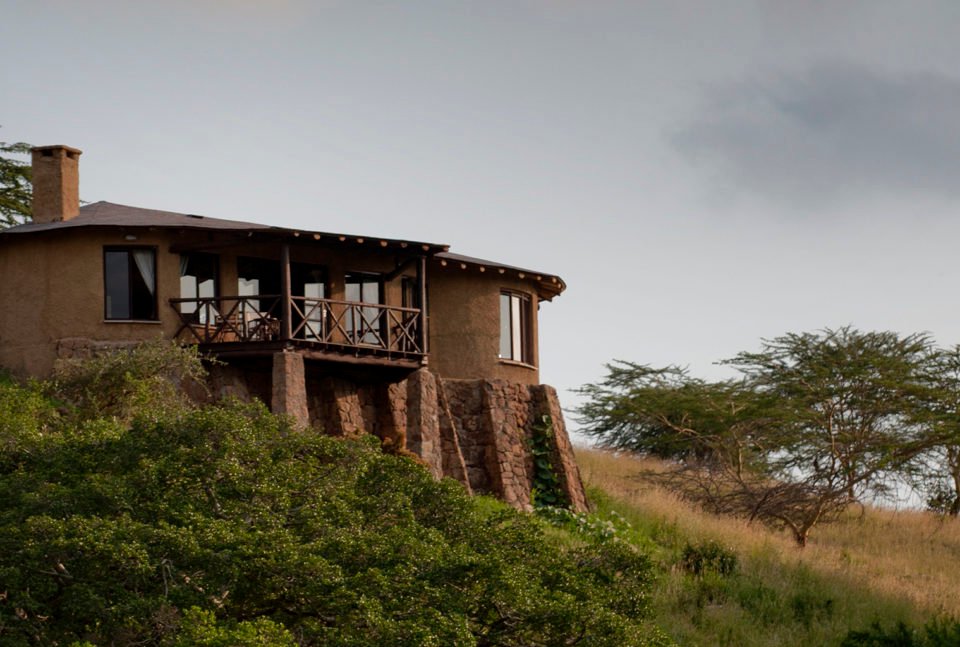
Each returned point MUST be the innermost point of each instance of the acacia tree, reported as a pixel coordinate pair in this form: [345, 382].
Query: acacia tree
[850, 404]
[664, 412]
[939, 466]
[818, 421]
[717, 438]
[16, 189]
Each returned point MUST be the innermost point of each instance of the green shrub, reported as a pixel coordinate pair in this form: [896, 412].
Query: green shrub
[760, 601]
[708, 557]
[221, 526]
[25, 416]
[149, 380]
[596, 527]
[810, 606]
[201, 628]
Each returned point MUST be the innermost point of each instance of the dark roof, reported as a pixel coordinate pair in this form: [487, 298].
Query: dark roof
[550, 284]
[108, 214]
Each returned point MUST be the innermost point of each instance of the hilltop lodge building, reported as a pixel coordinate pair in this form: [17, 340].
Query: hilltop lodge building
[428, 349]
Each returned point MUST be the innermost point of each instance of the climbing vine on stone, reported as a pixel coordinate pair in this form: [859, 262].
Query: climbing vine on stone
[545, 491]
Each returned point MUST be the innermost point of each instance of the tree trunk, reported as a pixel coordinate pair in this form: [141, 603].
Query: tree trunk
[954, 462]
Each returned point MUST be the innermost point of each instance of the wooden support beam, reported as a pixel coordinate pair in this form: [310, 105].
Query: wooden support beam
[285, 311]
[422, 287]
[361, 360]
[398, 270]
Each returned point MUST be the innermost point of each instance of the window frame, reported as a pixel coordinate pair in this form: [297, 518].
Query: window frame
[131, 264]
[316, 324]
[360, 334]
[521, 327]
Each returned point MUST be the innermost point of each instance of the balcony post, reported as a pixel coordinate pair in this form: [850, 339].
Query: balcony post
[286, 330]
[422, 287]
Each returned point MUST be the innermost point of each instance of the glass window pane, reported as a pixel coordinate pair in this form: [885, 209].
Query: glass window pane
[505, 326]
[516, 307]
[370, 291]
[206, 289]
[352, 292]
[116, 267]
[198, 280]
[314, 329]
[248, 287]
[188, 290]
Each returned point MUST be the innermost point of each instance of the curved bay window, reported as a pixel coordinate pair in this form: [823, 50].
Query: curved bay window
[130, 283]
[515, 341]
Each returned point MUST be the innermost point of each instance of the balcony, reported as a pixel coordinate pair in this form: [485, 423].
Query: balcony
[327, 329]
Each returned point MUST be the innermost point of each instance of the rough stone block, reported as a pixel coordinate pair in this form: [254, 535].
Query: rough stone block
[289, 388]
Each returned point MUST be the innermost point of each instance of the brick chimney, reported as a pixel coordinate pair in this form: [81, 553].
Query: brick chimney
[56, 183]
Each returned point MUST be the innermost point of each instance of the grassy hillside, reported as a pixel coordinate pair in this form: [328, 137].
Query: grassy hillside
[873, 566]
[130, 515]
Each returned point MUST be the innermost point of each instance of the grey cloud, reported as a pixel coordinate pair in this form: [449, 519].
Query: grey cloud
[832, 134]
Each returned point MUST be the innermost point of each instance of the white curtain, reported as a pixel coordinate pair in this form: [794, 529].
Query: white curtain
[144, 260]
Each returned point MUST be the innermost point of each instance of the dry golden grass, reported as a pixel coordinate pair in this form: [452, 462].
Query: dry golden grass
[908, 555]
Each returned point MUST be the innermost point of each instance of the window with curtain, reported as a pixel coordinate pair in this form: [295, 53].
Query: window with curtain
[130, 283]
[258, 276]
[198, 281]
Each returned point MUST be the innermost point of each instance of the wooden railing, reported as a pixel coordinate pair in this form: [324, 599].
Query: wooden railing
[317, 322]
[360, 325]
[212, 320]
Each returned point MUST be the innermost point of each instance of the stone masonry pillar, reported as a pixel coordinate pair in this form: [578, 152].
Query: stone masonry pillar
[423, 420]
[289, 396]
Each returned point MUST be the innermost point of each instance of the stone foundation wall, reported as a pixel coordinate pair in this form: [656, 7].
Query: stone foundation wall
[477, 432]
[84, 348]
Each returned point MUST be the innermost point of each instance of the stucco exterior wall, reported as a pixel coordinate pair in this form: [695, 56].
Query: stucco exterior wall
[52, 289]
[465, 325]
[53, 284]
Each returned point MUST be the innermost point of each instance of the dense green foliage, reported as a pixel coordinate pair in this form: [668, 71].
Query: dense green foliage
[937, 633]
[219, 525]
[816, 422]
[16, 189]
[151, 381]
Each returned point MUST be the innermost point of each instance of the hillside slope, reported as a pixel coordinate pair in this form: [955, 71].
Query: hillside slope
[873, 566]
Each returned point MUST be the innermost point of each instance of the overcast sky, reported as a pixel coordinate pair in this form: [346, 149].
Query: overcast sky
[702, 175]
